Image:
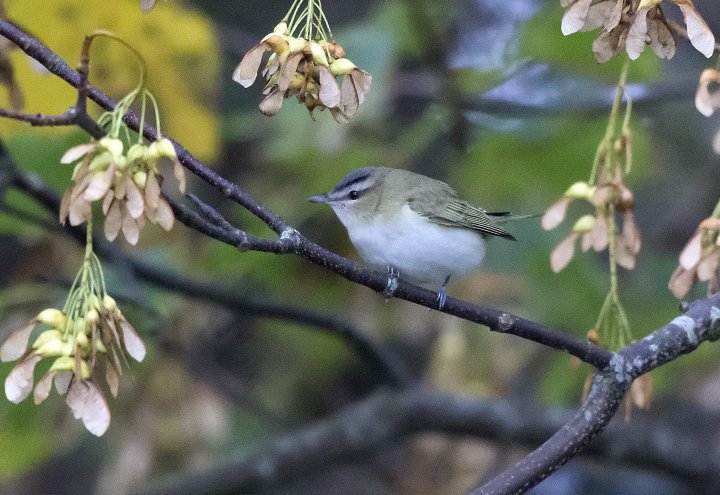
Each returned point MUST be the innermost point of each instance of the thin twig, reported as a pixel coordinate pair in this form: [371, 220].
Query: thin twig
[294, 242]
[385, 365]
[619, 369]
[70, 117]
[375, 423]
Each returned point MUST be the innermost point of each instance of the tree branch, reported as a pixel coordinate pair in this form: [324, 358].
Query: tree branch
[294, 242]
[386, 417]
[339, 437]
[682, 335]
[385, 365]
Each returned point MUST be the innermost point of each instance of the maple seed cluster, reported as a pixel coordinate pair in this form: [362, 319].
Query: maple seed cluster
[306, 69]
[98, 337]
[631, 24]
[699, 260]
[707, 98]
[593, 229]
[127, 182]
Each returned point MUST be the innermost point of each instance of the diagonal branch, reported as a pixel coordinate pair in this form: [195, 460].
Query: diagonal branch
[682, 335]
[292, 241]
[385, 417]
[339, 437]
[384, 364]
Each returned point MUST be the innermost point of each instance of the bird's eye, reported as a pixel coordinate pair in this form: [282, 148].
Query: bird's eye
[353, 194]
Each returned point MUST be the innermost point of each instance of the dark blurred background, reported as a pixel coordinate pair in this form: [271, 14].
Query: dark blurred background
[488, 96]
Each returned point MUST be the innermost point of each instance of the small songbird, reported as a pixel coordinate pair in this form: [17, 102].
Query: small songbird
[414, 226]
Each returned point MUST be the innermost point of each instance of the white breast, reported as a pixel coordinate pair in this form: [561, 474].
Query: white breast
[424, 253]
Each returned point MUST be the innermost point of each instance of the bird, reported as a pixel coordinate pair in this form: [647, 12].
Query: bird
[414, 226]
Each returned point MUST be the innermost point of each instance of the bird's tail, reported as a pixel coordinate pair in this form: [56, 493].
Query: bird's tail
[501, 217]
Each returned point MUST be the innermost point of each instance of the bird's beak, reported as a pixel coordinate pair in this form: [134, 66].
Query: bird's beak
[320, 198]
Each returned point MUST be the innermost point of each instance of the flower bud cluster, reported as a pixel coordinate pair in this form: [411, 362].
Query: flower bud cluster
[308, 69]
[629, 25]
[707, 99]
[699, 260]
[88, 339]
[127, 182]
[593, 228]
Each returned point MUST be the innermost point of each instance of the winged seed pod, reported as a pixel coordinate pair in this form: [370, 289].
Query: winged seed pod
[304, 64]
[629, 25]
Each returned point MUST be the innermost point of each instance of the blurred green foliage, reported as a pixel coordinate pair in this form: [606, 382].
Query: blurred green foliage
[288, 374]
[25, 429]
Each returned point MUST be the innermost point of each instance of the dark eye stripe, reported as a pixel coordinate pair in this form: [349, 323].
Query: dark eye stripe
[351, 181]
[354, 184]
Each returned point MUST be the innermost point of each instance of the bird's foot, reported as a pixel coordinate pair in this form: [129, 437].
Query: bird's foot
[441, 298]
[442, 294]
[392, 284]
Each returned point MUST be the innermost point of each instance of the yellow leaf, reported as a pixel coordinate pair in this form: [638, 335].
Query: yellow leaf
[178, 44]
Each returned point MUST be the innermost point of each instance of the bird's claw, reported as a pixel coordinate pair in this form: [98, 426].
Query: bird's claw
[392, 284]
[442, 294]
[441, 298]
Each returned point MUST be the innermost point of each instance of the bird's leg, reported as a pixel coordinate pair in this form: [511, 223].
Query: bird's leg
[442, 294]
[392, 284]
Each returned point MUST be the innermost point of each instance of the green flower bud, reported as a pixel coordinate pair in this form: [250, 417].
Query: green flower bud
[113, 145]
[580, 190]
[84, 370]
[318, 54]
[342, 66]
[79, 326]
[140, 178]
[94, 302]
[99, 346]
[162, 147]
[297, 44]
[153, 152]
[166, 148]
[52, 317]
[64, 363]
[77, 168]
[121, 162]
[82, 340]
[109, 303]
[100, 162]
[55, 347]
[47, 336]
[67, 363]
[281, 28]
[584, 224]
[137, 152]
[92, 316]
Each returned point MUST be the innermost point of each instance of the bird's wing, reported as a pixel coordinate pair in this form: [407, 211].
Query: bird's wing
[459, 213]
